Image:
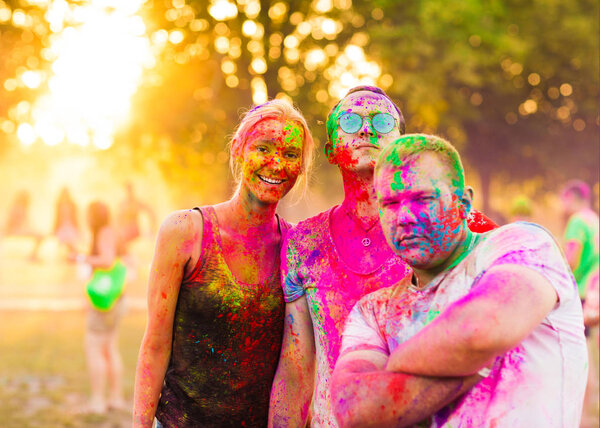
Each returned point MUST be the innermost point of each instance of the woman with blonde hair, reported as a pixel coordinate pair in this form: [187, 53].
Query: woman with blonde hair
[215, 303]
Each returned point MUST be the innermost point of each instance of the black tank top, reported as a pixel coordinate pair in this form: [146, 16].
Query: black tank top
[226, 342]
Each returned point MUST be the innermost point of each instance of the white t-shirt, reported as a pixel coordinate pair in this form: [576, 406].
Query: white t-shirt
[539, 383]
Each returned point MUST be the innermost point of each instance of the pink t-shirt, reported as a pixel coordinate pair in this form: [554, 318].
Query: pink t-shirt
[539, 383]
[312, 266]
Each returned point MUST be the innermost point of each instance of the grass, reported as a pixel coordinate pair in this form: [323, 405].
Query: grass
[43, 376]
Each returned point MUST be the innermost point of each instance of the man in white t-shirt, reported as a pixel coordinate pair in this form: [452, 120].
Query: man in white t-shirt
[490, 331]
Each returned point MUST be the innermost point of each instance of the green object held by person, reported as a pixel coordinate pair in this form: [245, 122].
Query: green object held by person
[106, 286]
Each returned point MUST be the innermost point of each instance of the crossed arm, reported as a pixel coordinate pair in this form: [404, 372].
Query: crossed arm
[365, 394]
[508, 302]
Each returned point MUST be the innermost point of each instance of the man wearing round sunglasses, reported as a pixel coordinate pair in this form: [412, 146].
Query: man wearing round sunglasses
[382, 123]
[333, 259]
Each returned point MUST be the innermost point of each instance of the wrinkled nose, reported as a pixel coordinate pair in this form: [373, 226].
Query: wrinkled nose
[405, 215]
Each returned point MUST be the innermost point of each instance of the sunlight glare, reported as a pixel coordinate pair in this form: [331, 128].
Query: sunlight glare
[351, 68]
[101, 50]
[222, 10]
[26, 134]
[31, 79]
[259, 90]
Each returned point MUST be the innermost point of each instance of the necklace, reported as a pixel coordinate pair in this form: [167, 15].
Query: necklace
[365, 241]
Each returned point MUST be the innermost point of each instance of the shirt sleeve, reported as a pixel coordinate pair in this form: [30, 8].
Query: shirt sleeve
[531, 246]
[575, 230]
[361, 331]
[291, 279]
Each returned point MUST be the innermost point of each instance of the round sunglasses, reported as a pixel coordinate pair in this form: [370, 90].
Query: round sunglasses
[382, 123]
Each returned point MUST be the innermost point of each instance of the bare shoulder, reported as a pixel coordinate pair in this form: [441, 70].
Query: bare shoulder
[181, 222]
[181, 229]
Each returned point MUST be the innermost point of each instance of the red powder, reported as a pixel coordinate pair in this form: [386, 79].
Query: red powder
[397, 388]
[480, 223]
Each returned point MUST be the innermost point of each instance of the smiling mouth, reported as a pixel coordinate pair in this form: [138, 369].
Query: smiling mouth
[368, 146]
[271, 180]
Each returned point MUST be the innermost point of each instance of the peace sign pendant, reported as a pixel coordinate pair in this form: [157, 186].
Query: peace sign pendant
[366, 242]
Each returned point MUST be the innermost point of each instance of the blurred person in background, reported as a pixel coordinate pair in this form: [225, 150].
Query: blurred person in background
[581, 234]
[581, 250]
[128, 219]
[66, 228]
[215, 302]
[18, 222]
[333, 259]
[103, 317]
[520, 209]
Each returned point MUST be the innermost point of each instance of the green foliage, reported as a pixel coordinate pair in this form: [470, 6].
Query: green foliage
[486, 74]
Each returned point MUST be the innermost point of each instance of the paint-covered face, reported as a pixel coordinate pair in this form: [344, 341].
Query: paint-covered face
[359, 151]
[272, 158]
[421, 210]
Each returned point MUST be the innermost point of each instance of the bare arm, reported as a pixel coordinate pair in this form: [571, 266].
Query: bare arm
[591, 318]
[294, 380]
[364, 394]
[173, 250]
[508, 302]
[573, 250]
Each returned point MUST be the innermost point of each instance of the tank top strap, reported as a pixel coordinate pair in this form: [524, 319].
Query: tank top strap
[284, 227]
[210, 240]
[210, 232]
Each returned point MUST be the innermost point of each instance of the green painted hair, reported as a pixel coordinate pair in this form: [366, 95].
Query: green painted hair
[409, 146]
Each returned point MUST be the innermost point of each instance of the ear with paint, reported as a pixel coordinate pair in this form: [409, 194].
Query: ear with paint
[466, 202]
[329, 153]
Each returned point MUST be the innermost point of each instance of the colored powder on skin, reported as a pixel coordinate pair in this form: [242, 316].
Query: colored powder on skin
[373, 139]
[398, 183]
[292, 131]
[397, 388]
[188, 244]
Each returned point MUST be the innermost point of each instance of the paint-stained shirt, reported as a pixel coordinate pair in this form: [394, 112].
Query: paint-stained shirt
[226, 342]
[540, 382]
[311, 265]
